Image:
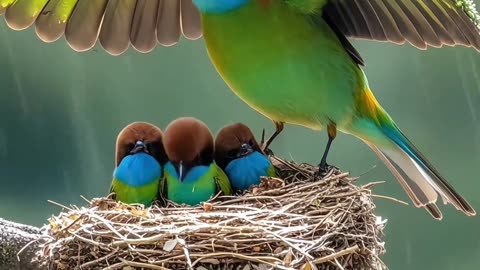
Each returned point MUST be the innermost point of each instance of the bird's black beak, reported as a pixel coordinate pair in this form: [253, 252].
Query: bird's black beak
[139, 148]
[245, 150]
[182, 170]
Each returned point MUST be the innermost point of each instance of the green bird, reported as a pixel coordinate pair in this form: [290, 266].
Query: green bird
[139, 159]
[290, 60]
[191, 175]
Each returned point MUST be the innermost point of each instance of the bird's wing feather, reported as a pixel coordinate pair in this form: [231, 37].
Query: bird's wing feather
[112, 186]
[115, 23]
[272, 172]
[162, 186]
[423, 23]
[222, 181]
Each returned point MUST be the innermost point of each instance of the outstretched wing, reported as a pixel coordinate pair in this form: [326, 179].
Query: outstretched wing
[115, 23]
[422, 23]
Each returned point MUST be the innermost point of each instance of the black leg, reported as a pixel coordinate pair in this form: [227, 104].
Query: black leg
[324, 168]
[278, 129]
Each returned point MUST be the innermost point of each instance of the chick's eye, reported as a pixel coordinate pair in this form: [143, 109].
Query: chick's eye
[250, 142]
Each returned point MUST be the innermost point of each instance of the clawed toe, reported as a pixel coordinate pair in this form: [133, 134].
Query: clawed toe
[325, 171]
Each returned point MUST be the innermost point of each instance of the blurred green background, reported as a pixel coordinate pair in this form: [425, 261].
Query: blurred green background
[60, 112]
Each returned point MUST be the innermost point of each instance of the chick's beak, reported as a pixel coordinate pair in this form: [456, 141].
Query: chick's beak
[139, 147]
[182, 170]
[245, 149]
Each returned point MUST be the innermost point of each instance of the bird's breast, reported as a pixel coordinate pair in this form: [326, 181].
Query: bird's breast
[138, 170]
[282, 65]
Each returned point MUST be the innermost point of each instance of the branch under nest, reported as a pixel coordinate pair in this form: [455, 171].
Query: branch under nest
[298, 223]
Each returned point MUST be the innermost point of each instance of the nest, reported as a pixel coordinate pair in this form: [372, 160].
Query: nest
[298, 222]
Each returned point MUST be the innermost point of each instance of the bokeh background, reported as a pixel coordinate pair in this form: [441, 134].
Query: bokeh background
[60, 112]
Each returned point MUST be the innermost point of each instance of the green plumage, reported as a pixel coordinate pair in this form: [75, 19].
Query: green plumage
[290, 60]
[307, 77]
[272, 172]
[195, 192]
[295, 68]
[127, 194]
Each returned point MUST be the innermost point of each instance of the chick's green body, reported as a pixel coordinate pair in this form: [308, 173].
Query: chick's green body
[136, 179]
[144, 195]
[200, 184]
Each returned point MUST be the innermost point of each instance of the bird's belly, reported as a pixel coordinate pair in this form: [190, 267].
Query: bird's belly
[304, 77]
[295, 92]
[143, 194]
[190, 193]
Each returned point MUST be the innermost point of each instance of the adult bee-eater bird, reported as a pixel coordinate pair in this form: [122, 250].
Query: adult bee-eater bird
[191, 174]
[138, 163]
[239, 155]
[290, 60]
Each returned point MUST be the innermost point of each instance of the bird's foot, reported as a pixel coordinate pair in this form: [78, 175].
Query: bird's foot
[325, 171]
[267, 151]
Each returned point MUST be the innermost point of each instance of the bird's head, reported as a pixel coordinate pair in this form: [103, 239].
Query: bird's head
[219, 6]
[232, 142]
[188, 143]
[140, 137]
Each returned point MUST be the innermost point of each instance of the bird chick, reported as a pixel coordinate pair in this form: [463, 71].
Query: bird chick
[139, 158]
[191, 175]
[239, 155]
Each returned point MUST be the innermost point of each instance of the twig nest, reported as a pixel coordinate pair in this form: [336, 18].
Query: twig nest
[297, 222]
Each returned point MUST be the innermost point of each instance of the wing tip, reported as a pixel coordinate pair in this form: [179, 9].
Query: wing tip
[113, 49]
[15, 24]
[167, 44]
[193, 37]
[79, 48]
[47, 36]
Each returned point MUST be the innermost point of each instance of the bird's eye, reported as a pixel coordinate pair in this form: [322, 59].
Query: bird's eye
[250, 142]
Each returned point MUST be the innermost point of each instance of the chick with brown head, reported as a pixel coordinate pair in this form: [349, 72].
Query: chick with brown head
[240, 156]
[191, 175]
[139, 158]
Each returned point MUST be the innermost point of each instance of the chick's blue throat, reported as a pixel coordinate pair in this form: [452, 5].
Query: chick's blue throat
[219, 6]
